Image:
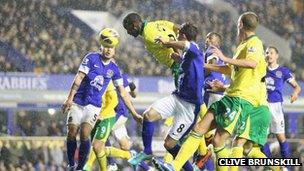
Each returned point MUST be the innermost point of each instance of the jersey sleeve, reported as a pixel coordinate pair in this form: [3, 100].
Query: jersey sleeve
[212, 57]
[86, 64]
[287, 75]
[254, 50]
[192, 48]
[117, 78]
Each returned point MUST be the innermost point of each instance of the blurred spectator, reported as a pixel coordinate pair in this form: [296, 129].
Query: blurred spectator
[57, 155]
[56, 46]
[285, 17]
[41, 129]
[53, 129]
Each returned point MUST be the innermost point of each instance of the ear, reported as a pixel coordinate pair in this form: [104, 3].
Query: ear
[241, 24]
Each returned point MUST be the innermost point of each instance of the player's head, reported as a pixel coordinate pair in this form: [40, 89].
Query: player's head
[272, 54]
[132, 23]
[188, 32]
[247, 22]
[214, 39]
[108, 37]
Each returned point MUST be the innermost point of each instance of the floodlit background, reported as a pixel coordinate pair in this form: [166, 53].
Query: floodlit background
[43, 41]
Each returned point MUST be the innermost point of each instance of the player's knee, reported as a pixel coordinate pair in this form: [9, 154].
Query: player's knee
[85, 131]
[239, 142]
[281, 137]
[218, 141]
[169, 144]
[98, 146]
[125, 145]
[72, 132]
[151, 115]
[198, 129]
[148, 116]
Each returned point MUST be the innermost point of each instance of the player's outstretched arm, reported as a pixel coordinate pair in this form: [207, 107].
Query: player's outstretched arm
[296, 90]
[216, 68]
[76, 83]
[172, 44]
[245, 63]
[125, 97]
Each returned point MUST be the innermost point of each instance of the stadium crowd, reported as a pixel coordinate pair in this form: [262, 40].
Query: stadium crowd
[57, 46]
[285, 17]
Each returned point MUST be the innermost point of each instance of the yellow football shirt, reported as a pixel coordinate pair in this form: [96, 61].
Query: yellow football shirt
[262, 69]
[245, 82]
[109, 102]
[159, 29]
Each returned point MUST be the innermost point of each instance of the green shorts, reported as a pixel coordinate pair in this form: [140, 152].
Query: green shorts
[175, 72]
[230, 112]
[257, 124]
[103, 128]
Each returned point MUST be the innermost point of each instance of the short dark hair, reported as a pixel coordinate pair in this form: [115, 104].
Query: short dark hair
[215, 34]
[131, 18]
[189, 30]
[274, 48]
[250, 21]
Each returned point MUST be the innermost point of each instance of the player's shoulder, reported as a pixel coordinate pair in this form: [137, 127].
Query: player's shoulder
[255, 40]
[193, 46]
[160, 22]
[92, 55]
[284, 69]
[113, 64]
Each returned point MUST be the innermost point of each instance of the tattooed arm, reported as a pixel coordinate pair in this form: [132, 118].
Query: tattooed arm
[76, 83]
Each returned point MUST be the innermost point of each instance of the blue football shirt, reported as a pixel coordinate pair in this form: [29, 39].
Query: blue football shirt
[191, 75]
[275, 79]
[98, 76]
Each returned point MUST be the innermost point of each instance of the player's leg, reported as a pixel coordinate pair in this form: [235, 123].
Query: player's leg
[253, 150]
[179, 125]
[280, 130]
[232, 113]
[184, 120]
[160, 109]
[150, 116]
[164, 132]
[219, 146]
[92, 156]
[191, 143]
[102, 133]
[203, 152]
[73, 120]
[90, 114]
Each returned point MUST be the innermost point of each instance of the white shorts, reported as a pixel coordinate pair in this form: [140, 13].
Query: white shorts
[182, 111]
[214, 98]
[119, 129]
[79, 114]
[277, 124]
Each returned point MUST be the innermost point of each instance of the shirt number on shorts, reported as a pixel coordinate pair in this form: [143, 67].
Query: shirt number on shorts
[180, 128]
[103, 130]
[95, 117]
[230, 114]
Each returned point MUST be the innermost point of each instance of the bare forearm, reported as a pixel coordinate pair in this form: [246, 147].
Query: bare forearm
[222, 69]
[245, 63]
[73, 91]
[75, 86]
[128, 103]
[297, 89]
[126, 99]
[175, 44]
